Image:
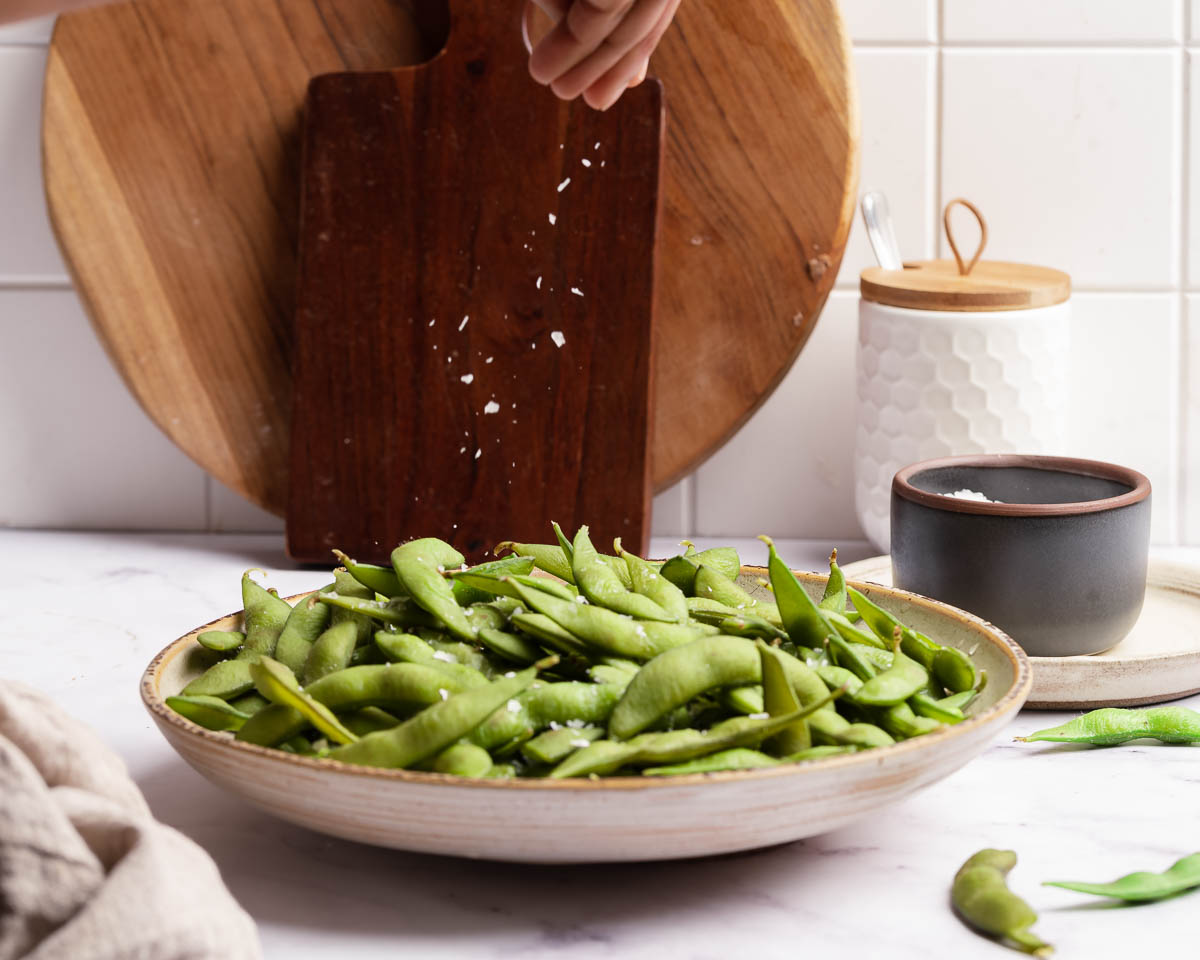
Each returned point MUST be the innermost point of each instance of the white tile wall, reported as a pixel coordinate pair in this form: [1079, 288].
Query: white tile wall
[1072, 123]
[1062, 21]
[76, 451]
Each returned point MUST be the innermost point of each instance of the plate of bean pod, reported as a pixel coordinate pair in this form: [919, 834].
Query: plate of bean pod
[562, 705]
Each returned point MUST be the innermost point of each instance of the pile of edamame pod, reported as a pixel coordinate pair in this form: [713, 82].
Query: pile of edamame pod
[611, 665]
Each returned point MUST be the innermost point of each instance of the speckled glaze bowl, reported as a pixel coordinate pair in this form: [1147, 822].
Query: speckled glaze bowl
[1059, 564]
[613, 818]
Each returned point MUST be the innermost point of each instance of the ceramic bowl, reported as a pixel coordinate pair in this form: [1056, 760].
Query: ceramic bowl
[1059, 563]
[609, 819]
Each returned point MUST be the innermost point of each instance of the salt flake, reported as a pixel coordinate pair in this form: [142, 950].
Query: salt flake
[491, 407]
[553, 219]
[467, 377]
[586, 162]
[464, 322]
[563, 186]
[557, 337]
[577, 291]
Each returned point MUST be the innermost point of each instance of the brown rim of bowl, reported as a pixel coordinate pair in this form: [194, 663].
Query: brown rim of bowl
[1137, 482]
[1008, 704]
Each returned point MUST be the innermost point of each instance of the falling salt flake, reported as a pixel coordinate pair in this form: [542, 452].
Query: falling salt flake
[603, 162]
[444, 656]
[563, 186]
[489, 359]
[586, 162]
[580, 742]
[478, 453]
[758, 716]
[532, 344]
[491, 407]
[467, 377]
[462, 449]
[596, 145]
[443, 693]
[464, 323]
[553, 219]
[433, 321]
[513, 706]
[577, 291]
[539, 283]
[557, 337]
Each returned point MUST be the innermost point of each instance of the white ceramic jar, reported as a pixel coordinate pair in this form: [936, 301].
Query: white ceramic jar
[954, 362]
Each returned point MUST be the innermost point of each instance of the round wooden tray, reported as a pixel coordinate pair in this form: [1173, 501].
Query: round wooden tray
[1159, 659]
[171, 155]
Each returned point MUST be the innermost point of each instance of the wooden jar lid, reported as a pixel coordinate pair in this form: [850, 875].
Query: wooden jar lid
[973, 286]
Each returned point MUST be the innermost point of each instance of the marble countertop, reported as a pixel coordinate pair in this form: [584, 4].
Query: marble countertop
[82, 613]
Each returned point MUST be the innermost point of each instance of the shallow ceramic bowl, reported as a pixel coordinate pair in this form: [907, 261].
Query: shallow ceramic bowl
[610, 819]
[1059, 564]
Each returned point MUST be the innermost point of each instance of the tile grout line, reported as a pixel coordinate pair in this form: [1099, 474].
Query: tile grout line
[1181, 469]
[938, 132]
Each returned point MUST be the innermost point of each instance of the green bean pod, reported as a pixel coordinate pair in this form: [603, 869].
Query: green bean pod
[211, 713]
[437, 726]
[981, 897]
[331, 651]
[221, 641]
[305, 623]
[834, 597]
[263, 618]
[1142, 887]
[651, 584]
[803, 620]
[419, 565]
[277, 683]
[1112, 725]
[226, 679]
[601, 585]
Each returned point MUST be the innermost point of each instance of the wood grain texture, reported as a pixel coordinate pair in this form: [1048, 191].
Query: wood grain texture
[463, 367]
[183, 115]
[991, 285]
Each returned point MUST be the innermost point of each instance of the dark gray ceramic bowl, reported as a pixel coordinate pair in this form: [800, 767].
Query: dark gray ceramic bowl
[1059, 564]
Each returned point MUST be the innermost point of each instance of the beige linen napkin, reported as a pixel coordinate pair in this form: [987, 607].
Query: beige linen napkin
[86, 873]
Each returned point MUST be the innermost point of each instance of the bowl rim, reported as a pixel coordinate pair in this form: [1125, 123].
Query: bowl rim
[1138, 483]
[1009, 704]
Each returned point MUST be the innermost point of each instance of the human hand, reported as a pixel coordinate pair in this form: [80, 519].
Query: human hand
[598, 48]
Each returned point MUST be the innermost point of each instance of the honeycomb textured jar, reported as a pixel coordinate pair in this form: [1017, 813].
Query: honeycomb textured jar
[936, 383]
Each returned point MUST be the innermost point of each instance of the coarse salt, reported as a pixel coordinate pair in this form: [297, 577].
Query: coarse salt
[478, 453]
[491, 407]
[467, 377]
[464, 322]
[557, 337]
[433, 321]
[580, 742]
[563, 186]
[444, 656]
[489, 359]
[586, 162]
[577, 291]
[513, 706]
[966, 494]
[538, 283]
[443, 693]
[553, 219]
[759, 716]
[576, 724]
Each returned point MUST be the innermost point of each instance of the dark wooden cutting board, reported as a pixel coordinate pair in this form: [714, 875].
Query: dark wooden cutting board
[473, 326]
[171, 159]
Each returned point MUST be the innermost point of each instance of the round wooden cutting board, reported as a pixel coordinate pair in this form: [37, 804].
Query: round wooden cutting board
[170, 144]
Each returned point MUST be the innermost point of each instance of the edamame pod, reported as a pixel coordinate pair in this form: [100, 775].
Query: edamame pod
[419, 565]
[981, 897]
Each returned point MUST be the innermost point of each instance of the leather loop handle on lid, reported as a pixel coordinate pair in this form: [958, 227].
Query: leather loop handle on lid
[964, 269]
